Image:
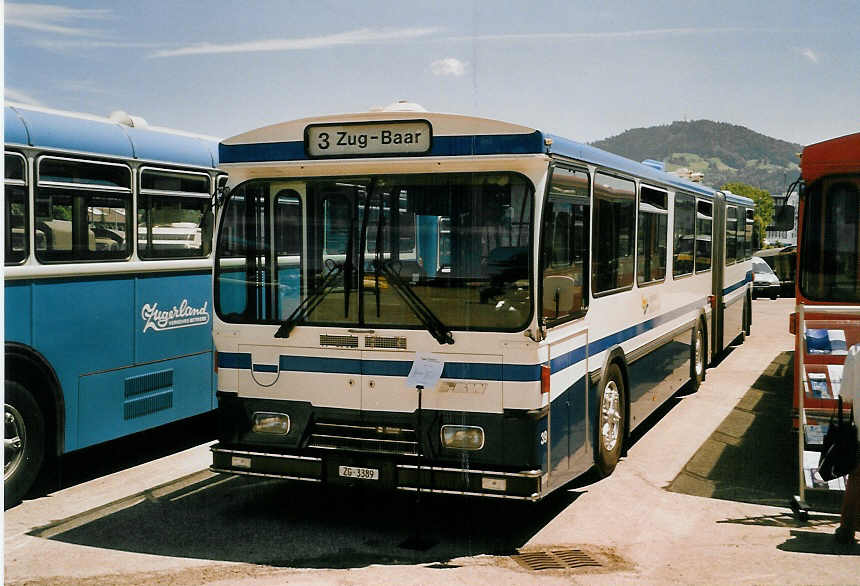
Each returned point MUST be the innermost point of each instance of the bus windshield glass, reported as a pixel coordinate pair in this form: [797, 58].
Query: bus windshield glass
[831, 239]
[460, 242]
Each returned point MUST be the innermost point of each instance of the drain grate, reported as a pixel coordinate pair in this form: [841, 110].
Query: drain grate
[576, 558]
[564, 559]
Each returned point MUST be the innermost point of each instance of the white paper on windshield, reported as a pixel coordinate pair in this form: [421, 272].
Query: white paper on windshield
[426, 370]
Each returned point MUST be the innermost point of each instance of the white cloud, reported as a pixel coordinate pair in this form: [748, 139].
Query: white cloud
[448, 66]
[50, 18]
[810, 54]
[14, 95]
[356, 37]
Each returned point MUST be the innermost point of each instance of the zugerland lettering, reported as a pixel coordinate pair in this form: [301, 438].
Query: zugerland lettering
[183, 316]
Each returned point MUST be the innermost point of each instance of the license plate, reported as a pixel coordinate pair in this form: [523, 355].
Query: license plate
[240, 462]
[360, 473]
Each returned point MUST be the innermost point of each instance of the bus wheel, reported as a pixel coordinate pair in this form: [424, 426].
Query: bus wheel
[747, 317]
[610, 428]
[697, 357]
[23, 442]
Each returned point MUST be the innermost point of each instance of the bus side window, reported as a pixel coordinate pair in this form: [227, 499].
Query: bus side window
[84, 209]
[653, 224]
[614, 233]
[731, 231]
[174, 216]
[704, 227]
[15, 209]
[685, 234]
[565, 246]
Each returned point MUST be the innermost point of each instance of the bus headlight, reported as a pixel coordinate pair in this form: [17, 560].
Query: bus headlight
[273, 423]
[462, 437]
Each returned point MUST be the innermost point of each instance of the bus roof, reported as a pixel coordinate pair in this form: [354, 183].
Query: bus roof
[837, 155]
[453, 134]
[73, 131]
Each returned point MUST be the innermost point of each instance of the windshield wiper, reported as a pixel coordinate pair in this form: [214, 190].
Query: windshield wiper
[433, 324]
[311, 302]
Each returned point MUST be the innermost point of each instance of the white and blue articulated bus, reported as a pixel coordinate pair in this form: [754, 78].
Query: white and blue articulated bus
[568, 292]
[108, 261]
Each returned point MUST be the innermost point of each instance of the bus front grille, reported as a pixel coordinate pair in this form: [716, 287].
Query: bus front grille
[381, 342]
[376, 439]
[343, 341]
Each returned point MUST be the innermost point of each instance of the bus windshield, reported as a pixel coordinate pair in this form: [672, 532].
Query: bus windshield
[459, 242]
[831, 239]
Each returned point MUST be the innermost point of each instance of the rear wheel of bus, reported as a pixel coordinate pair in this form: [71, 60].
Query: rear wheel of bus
[611, 421]
[698, 352]
[23, 442]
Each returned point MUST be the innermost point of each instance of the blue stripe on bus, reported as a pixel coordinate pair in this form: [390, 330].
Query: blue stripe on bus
[521, 373]
[466, 370]
[265, 368]
[739, 284]
[577, 355]
[240, 360]
[442, 146]
[317, 364]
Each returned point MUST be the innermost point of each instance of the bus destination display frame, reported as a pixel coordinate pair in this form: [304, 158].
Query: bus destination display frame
[390, 138]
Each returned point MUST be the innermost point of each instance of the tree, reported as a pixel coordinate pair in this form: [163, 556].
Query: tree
[763, 204]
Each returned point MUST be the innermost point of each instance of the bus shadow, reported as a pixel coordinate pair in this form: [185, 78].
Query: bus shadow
[127, 452]
[752, 456]
[276, 523]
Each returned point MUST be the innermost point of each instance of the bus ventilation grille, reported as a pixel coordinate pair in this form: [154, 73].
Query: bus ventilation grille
[564, 559]
[342, 341]
[146, 405]
[387, 343]
[146, 383]
[375, 439]
[148, 393]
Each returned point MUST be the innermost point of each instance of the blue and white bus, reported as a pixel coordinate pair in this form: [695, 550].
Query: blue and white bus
[108, 260]
[568, 291]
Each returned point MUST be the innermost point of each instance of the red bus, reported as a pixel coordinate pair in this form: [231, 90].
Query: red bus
[827, 318]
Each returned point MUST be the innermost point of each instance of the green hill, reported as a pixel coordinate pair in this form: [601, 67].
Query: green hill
[723, 152]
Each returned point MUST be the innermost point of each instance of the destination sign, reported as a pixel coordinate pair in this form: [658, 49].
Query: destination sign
[377, 138]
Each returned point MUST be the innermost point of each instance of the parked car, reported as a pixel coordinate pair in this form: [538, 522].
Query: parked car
[765, 281]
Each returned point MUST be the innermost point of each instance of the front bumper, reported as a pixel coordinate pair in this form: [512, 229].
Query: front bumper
[393, 473]
[403, 450]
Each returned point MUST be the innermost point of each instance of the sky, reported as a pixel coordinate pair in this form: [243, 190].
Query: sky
[583, 70]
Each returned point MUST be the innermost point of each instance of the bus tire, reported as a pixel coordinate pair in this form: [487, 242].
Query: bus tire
[698, 351]
[24, 442]
[611, 422]
[747, 317]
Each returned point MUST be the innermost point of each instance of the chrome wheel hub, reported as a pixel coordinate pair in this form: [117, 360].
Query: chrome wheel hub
[14, 440]
[610, 416]
[700, 354]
